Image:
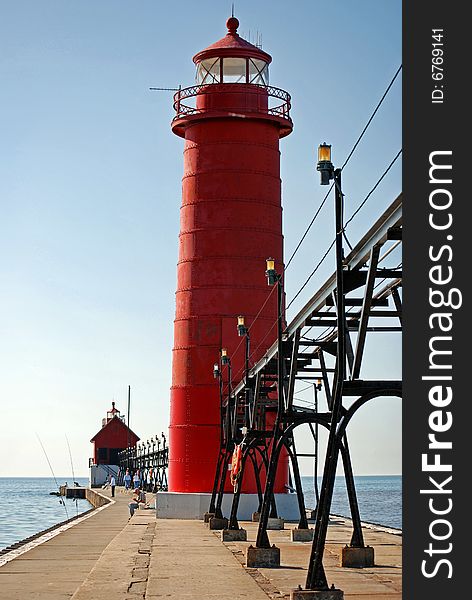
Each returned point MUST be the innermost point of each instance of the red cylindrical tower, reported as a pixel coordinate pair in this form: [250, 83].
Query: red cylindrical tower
[231, 221]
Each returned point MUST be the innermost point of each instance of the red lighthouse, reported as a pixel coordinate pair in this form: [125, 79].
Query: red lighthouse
[231, 222]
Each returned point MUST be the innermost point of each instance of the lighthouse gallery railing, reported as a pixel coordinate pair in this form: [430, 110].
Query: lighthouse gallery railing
[280, 110]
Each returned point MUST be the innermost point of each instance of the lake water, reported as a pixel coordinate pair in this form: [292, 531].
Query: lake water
[379, 497]
[26, 507]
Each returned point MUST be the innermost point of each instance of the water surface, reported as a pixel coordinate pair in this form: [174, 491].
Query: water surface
[379, 497]
[26, 507]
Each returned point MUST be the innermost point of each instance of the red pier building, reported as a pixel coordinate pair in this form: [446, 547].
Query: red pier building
[113, 437]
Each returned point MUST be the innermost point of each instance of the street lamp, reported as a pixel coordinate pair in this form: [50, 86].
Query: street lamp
[243, 330]
[271, 272]
[224, 356]
[274, 278]
[328, 172]
[325, 166]
[316, 578]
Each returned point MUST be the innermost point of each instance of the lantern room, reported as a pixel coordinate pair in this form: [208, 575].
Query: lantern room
[232, 81]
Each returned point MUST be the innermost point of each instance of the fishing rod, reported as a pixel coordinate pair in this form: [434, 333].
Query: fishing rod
[73, 474]
[50, 466]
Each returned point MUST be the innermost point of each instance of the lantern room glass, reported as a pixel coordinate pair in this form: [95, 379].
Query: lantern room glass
[232, 70]
[258, 72]
[208, 71]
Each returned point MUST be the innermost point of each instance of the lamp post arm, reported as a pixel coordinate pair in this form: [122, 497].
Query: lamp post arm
[246, 390]
[280, 375]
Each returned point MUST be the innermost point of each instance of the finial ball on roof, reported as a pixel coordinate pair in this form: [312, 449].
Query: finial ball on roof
[232, 24]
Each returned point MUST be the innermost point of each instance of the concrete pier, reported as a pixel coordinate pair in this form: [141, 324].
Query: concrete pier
[108, 556]
[54, 569]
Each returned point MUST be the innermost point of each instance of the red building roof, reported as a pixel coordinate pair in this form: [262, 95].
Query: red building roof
[115, 428]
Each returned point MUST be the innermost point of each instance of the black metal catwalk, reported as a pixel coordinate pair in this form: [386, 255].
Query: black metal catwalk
[361, 298]
[150, 459]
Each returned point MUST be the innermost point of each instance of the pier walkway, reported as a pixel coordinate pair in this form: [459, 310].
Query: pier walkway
[108, 557]
[54, 569]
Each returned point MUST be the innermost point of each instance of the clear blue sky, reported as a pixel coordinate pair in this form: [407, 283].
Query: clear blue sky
[90, 181]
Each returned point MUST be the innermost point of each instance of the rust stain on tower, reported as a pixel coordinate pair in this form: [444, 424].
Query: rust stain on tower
[231, 221]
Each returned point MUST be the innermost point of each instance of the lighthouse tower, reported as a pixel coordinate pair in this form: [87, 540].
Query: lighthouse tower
[230, 223]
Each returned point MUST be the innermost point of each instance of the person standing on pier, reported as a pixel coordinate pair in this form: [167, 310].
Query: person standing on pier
[136, 479]
[112, 485]
[127, 479]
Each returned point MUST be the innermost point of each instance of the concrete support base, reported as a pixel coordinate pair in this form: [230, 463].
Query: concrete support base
[255, 517]
[263, 557]
[234, 535]
[207, 516]
[332, 594]
[274, 523]
[301, 535]
[176, 505]
[216, 523]
[357, 558]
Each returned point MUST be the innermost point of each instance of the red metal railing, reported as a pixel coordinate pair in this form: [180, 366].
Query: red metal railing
[280, 110]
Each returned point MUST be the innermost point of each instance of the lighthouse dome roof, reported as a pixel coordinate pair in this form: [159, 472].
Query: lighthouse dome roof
[232, 45]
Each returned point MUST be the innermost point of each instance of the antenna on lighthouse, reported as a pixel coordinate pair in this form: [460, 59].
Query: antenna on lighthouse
[159, 89]
[258, 43]
[232, 9]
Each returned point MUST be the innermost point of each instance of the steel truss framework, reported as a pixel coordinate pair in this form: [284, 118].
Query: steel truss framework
[361, 297]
